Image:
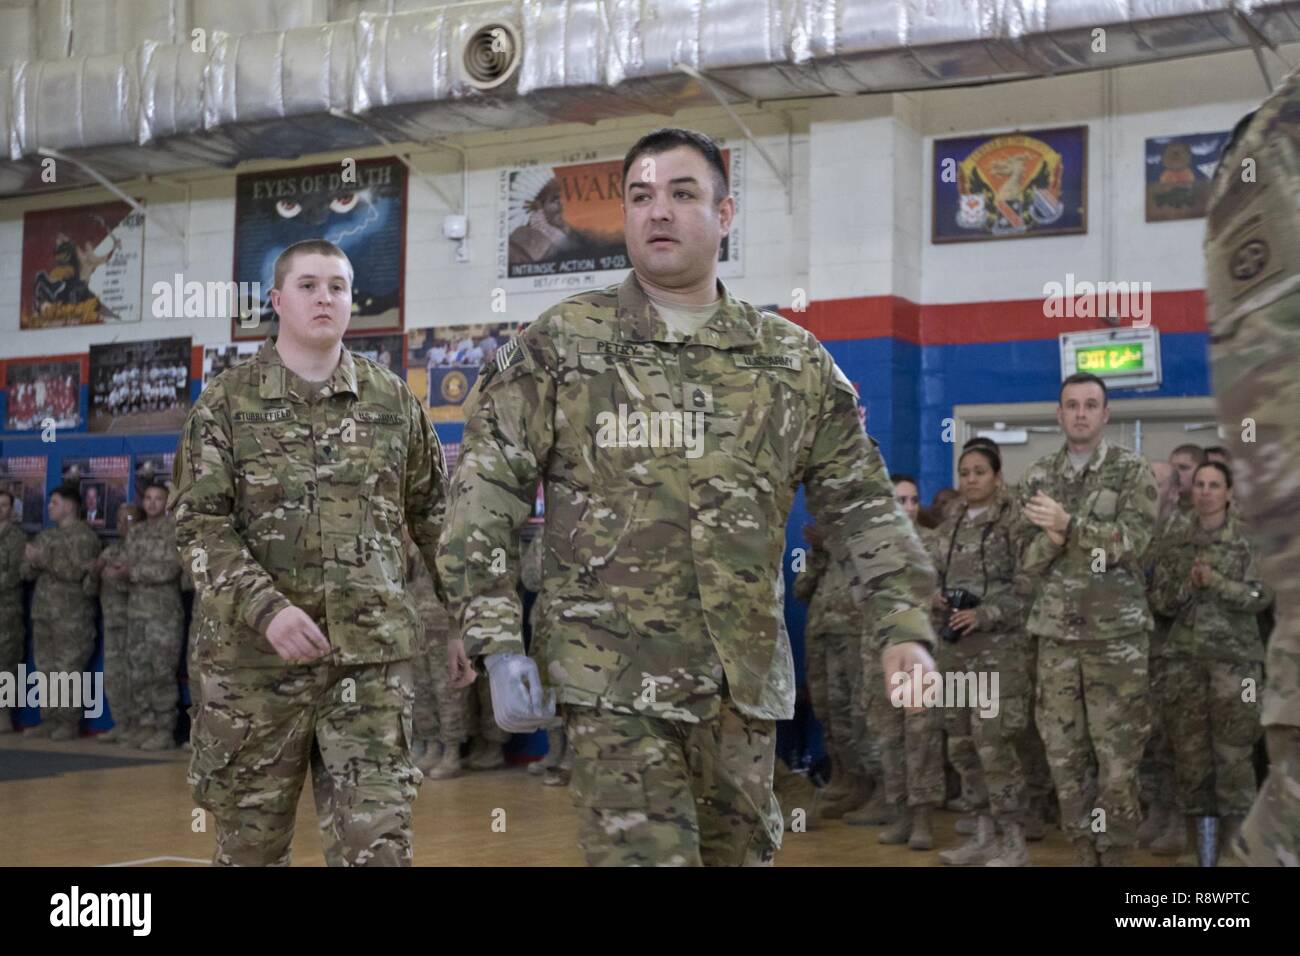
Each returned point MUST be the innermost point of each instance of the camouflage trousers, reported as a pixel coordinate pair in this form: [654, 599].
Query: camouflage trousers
[1033, 755]
[259, 730]
[1094, 715]
[156, 622]
[1213, 733]
[479, 718]
[1156, 773]
[1271, 834]
[62, 646]
[911, 745]
[1254, 363]
[835, 685]
[117, 665]
[998, 735]
[441, 711]
[653, 792]
[12, 638]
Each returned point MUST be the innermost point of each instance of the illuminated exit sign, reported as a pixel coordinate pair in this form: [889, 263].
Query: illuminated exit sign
[1110, 359]
[1123, 358]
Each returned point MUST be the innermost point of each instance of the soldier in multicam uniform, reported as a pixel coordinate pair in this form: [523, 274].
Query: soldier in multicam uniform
[1252, 241]
[556, 767]
[440, 709]
[974, 552]
[1088, 515]
[12, 630]
[911, 742]
[660, 616]
[832, 638]
[294, 479]
[114, 596]
[61, 561]
[1162, 831]
[156, 621]
[1207, 584]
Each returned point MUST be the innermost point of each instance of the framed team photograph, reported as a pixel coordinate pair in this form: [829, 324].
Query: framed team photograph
[1011, 185]
[218, 358]
[42, 392]
[139, 386]
[386, 350]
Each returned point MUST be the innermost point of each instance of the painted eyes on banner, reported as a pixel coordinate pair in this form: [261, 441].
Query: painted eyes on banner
[288, 208]
[345, 202]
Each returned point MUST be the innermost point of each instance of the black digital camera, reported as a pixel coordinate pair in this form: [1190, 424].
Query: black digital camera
[959, 599]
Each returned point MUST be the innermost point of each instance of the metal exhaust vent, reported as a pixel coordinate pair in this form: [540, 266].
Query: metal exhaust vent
[491, 55]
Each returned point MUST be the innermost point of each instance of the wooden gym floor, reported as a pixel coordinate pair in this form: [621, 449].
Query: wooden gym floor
[85, 803]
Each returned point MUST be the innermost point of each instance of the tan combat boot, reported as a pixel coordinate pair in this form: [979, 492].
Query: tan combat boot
[1155, 824]
[977, 850]
[446, 766]
[1013, 851]
[485, 755]
[922, 837]
[900, 830]
[876, 812]
[158, 740]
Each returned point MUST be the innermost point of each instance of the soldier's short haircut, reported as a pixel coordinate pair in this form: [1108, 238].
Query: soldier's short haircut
[1195, 452]
[1084, 378]
[989, 451]
[1218, 450]
[898, 476]
[670, 137]
[307, 247]
[1219, 466]
[68, 493]
[155, 484]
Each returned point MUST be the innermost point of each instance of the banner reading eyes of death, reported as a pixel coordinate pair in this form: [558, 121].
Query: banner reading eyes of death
[560, 223]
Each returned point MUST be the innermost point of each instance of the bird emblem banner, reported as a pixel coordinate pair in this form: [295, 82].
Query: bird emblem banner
[1011, 186]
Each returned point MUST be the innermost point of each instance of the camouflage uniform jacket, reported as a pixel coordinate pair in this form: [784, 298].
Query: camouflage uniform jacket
[824, 586]
[662, 576]
[979, 555]
[152, 556]
[288, 498]
[64, 586]
[113, 593]
[1217, 621]
[12, 543]
[1113, 506]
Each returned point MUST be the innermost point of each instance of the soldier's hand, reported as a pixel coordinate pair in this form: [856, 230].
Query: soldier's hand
[963, 622]
[1047, 514]
[295, 636]
[905, 658]
[459, 667]
[32, 554]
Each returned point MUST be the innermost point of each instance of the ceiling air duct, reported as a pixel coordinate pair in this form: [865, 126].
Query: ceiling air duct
[491, 55]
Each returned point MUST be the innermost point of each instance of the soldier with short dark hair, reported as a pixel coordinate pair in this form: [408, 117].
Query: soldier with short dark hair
[671, 424]
[1088, 513]
[296, 475]
[61, 562]
[155, 622]
[12, 630]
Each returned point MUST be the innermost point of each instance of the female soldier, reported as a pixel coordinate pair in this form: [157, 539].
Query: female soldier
[979, 616]
[1206, 581]
[911, 754]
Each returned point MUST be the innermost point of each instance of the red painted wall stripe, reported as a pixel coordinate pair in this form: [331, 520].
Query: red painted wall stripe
[967, 323]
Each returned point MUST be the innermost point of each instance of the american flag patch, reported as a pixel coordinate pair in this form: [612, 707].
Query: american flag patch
[508, 355]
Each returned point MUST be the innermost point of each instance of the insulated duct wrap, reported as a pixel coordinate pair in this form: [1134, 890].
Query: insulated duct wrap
[270, 93]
